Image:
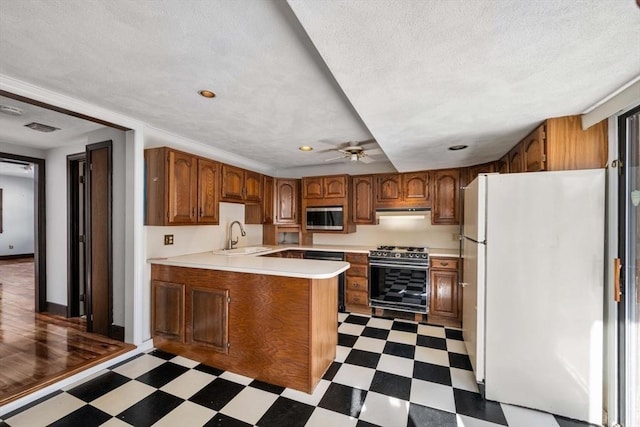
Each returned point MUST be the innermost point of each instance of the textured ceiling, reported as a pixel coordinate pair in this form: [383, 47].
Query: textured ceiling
[418, 76]
[13, 130]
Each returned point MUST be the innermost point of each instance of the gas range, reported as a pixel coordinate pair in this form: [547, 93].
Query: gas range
[400, 253]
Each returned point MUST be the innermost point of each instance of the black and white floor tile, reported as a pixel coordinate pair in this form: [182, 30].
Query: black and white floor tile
[386, 373]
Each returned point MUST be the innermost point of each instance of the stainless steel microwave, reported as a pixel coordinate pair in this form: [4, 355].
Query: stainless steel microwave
[325, 218]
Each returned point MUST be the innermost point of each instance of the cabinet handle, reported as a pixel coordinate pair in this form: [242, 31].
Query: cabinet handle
[201, 213]
[357, 299]
[444, 263]
[193, 211]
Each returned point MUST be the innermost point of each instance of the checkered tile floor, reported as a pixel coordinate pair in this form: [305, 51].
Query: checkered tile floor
[386, 373]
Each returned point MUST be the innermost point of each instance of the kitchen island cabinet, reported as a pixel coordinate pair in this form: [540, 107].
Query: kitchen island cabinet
[272, 319]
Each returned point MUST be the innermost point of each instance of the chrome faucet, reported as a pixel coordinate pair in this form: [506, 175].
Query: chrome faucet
[232, 242]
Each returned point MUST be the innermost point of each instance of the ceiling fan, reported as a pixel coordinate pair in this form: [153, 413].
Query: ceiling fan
[355, 152]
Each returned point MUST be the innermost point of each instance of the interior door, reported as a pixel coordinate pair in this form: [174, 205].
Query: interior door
[629, 253]
[99, 255]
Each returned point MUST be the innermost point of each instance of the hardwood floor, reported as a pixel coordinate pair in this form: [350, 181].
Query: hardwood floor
[37, 349]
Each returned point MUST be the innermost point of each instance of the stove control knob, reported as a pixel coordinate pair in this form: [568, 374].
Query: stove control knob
[424, 255]
[397, 255]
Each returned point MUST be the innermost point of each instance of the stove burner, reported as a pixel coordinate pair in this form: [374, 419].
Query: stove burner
[401, 248]
[400, 253]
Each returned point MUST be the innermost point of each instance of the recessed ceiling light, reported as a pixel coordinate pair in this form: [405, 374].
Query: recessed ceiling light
[457, 147]
[305, 148]
[10, 110]
[207, 93]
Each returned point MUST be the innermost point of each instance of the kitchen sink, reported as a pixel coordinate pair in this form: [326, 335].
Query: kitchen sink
[242, 251]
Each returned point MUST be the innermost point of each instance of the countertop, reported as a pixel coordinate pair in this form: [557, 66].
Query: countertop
[257, 264]
[254, 264]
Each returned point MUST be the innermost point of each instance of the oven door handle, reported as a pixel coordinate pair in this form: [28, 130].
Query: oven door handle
[399, 265]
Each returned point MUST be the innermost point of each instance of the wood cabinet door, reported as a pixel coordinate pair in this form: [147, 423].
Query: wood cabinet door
[445, 205]
[444, 293]
[502, 165]
[388, 190]
[183, 188]
[335, 186]
[287, 201]
[312, 188]
[208, 194]
[362, 200]
[474, 171]
[415, 186]
[209, 318]
[268, 199]
[252, 186]
[534, 151]
[167, 310]
[232, 187]
[515, 159]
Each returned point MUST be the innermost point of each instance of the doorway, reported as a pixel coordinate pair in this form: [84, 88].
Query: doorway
[76, 235]
[629, 271]
[39, 224]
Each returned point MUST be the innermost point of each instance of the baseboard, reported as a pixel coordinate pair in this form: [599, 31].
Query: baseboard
[117, 332]
[57, 309]
[16, 256]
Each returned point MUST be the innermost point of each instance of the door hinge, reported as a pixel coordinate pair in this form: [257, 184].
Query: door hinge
[167, 215]
[228, 345]
[81, 238]
[229, 299]
[543, 135]
[544, 158]
[81, 179]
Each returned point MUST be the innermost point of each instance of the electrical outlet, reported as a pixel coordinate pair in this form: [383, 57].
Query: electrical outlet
[168, 239]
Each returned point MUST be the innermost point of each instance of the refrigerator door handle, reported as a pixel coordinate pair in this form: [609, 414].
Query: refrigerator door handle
[484, 242]
[464, 284]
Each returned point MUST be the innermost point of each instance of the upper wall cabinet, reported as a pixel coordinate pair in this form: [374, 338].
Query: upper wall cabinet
[181, 189]
[240, 185]
[446, 185]
[287, 201]
[281, 201]
[558, 144]
[534, 152]
[325, 187]
[362, 200]
[406, 190]
[474, 171]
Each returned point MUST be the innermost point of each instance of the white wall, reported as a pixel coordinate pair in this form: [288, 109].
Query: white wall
[17, 215]
[396, 231]
[21, 150]
[56, 216]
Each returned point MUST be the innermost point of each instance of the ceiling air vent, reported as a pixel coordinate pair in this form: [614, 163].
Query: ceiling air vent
[41, 128]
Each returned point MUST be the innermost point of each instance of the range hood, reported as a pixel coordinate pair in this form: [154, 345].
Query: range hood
[409, 213]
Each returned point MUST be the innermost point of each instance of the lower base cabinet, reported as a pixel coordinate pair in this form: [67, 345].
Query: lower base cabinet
[357, 284]
[445, 302]
[209, 318]
[167, 313]
[277, 329]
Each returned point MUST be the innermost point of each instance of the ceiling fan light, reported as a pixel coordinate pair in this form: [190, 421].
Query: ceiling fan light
[353, 157]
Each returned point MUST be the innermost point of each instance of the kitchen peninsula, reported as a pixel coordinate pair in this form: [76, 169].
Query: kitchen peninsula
[272, 319]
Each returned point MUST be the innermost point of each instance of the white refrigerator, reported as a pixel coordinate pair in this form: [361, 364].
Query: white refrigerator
[533, 283]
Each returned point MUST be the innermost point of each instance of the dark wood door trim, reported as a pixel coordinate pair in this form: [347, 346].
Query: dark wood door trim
[39, 213]
[89, 235]
[73, 237]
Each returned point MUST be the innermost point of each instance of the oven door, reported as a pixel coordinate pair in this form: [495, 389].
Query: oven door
[399, 286]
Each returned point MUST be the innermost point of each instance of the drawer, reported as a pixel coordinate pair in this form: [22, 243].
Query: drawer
[354, 258]
[357, 284]
[357, 298]
[358, 270]
[444, 263]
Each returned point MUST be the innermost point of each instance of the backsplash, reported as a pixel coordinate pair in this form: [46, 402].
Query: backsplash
[409, 231]
[201, 238]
